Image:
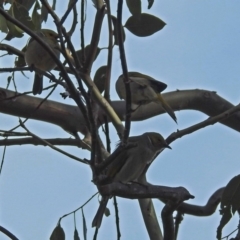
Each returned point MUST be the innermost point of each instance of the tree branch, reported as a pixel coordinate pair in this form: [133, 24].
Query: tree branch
[138, 191]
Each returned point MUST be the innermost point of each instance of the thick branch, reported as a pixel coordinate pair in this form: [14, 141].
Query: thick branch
[208, 209]
[137, 191]
[207, 102]
[7, 233]
[70, 118]
[150, 218]
[66, 116]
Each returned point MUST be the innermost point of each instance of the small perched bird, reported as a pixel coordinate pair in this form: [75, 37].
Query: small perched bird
[130, 164]
[144, 90]
[37, 55]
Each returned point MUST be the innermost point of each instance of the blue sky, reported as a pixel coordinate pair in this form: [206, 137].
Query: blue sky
[197, 49]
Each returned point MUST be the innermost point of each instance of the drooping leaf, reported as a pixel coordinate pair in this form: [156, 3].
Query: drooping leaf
[36, 18]
[86, 52]
[44, 13]
[13, 30]
[28, 4]
[115, 35]
[135, 7]
[22, 15]
[19, 12]
[100, 78]
[76, 236]
[58, 233]
[150, 3]
[84, 226]
[145, 26]
[3, 24]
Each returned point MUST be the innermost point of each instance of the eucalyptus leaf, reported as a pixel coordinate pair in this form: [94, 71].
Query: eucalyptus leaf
[115, 35]
[76, 236]
[135, 7]
[100, 78]
[145, 26]
[150, 3]
[86, 52]
[58, 233]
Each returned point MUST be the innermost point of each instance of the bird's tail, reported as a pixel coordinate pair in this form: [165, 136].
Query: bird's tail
[100, 212]
[38, 84]
[167, 108]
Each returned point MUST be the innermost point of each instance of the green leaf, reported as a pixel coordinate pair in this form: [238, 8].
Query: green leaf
[86, 52]
[44, 13]
[13, 30]
[150, 3]
[134, 7]
[100, 78]
[22, 15]
[36, 18]
[115, 35]
[145, 26]
[58, 233]
[28, 3]
[3, 24]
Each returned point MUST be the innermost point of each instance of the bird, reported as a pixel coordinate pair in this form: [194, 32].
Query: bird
[130, 163]
[39, 57]
[144, 89]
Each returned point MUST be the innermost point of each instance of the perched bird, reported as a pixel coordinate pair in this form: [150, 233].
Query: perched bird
[144, 90]
[130, 163]
[36, 55]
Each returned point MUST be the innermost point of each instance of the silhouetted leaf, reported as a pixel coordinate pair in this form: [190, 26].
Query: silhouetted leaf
[150, 3]
[58, 233]
[100, 78]
[134, 7]
[145, 26]
[84, 226]
[20, 13]
[76, 236]
[114, 21]
[86, 52]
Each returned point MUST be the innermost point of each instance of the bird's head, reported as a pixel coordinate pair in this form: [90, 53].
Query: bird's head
[157, 140]
[50, 34]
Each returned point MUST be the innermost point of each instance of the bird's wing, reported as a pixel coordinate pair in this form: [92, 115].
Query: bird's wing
[157, 85]
[117, 164]
[141, 80]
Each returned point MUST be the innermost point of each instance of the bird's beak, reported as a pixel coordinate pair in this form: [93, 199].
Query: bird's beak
[167, 146]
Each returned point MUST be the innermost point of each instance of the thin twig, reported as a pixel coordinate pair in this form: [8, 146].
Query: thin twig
[82, 32]
[7, 233]
[205, 123]
[70, 7]
[117, 217]
[65, 215]
[125, 72]
[52, 146]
